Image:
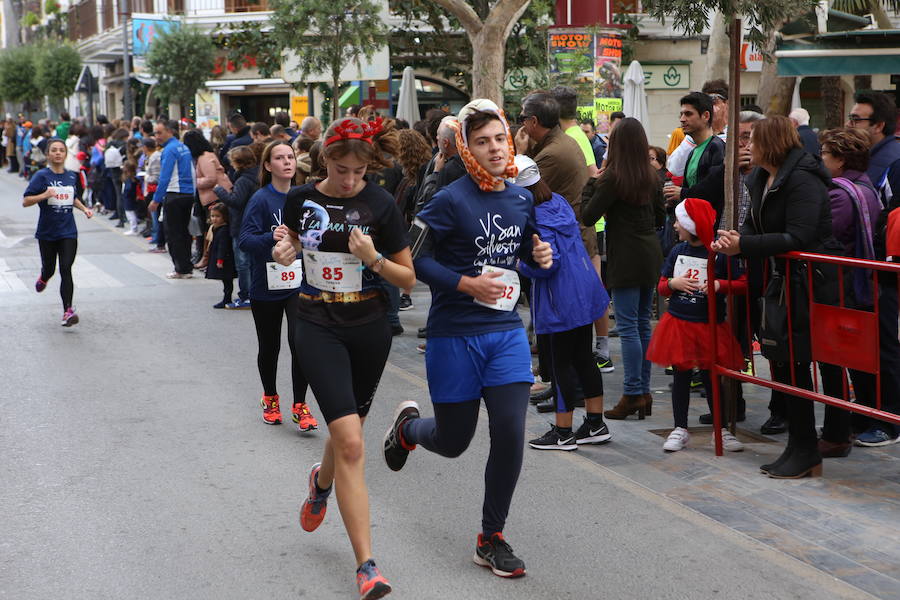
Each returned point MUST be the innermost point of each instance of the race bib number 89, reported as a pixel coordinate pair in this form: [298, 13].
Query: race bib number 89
[333, 271]
[512, 288]
[279, 277]
[62, 196]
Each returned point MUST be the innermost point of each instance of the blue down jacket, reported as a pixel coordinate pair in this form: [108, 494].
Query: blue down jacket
[569, 294]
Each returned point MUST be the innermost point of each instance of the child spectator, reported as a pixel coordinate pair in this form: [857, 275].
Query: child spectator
[129, 196]
[221, 257]
[681, 338]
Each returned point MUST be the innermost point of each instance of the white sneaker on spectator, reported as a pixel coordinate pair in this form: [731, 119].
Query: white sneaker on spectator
[176, 275]
[729, 442]
[677, 440]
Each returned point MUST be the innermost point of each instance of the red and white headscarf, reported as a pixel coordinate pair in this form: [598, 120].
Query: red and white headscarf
[485, 181]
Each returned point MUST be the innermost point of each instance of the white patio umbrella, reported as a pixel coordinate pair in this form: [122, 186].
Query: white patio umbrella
[407, 103]
[635, 100]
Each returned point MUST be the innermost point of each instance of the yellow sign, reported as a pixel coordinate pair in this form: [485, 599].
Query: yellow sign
[299, 108]
[607, 105]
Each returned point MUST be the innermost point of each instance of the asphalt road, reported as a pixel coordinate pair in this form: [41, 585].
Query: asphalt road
[135, 465]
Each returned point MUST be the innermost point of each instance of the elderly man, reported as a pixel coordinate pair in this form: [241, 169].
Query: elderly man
[311, 127]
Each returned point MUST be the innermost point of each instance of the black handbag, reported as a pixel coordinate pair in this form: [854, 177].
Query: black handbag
[774, 333]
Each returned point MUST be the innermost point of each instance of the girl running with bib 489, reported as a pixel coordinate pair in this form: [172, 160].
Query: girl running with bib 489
[467, 242]
[349, 234]
[57, 191]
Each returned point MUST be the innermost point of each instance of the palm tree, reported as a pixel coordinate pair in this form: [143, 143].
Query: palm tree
[878, 8]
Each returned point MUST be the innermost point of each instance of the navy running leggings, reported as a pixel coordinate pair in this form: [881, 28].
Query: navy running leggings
[268, 315]
[64, 249]
[451, 429]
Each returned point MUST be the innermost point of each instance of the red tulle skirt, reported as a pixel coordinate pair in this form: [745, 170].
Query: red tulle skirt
[685, 345]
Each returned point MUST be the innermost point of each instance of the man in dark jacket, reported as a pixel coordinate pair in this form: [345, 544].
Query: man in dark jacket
[877, 114]
[709, 152]
[239, 136]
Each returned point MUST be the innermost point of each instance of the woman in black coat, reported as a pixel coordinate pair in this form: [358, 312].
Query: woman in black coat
[790, 211]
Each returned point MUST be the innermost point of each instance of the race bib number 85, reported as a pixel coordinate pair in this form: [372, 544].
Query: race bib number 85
[333, 271]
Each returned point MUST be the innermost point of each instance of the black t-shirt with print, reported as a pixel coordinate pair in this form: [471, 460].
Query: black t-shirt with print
[324, 225]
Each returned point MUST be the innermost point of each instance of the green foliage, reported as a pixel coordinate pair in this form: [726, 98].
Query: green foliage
[57, 67]
[248, 38]
[445, 49]
[761, 16]
[17, 74]
[30, 19]
[181, 60]
[51, 7]
[326, 35]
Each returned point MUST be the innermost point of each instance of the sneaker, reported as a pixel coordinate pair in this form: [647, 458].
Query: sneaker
[271, 414]
[420, 348]
[371, 582]
[677, 440]
[405, 302]
[303, 418]
[554, 440]
[221, 304]
[874, 437]
[130, 232]
[40, 285]
[395, 449]
[69, 317]
[586, 434]
[729, 442]
[238, 305]
[177, 275]
[495, 554]
[312, 511]
[157, 250]
[422, 333]
[604, 363]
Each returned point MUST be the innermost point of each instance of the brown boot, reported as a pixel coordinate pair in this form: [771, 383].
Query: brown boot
[648, 404]
[628, 405]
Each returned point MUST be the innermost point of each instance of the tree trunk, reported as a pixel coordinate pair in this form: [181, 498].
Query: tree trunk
[774, 93]
[488, 53]
[717, 50]
[335, 100]
[832, 101]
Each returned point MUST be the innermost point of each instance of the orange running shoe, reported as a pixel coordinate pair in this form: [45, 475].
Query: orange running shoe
[371, 582]
[312, 511]
[303, 418]
[271, 412]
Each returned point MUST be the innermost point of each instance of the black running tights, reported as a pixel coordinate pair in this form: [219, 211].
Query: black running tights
[64, 249]
[451, 429]
[268, 317]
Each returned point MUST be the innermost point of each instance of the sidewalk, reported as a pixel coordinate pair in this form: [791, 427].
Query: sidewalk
[846, 523]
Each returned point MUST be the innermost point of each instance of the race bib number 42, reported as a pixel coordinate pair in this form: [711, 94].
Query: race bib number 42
[279, 277]
[691, 267]
[62, 196]
[333, 271]
[511, 290]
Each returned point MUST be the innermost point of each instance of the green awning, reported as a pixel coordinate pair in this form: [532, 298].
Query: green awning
[351, 96]
[860, 52]
[836, 63]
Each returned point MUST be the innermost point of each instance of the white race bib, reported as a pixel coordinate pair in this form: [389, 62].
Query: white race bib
[511, 291]
[333, 271]
[63, 195]
[691, 267]
[279, 277]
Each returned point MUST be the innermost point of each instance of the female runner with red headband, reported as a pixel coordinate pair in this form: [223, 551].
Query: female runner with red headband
[349, 234]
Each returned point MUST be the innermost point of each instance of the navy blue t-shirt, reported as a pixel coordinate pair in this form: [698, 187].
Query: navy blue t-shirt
[471, 229]
[692, 306]
[263, 214]
[56, 221]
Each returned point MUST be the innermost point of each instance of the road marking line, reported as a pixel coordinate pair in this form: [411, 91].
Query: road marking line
[9, 281]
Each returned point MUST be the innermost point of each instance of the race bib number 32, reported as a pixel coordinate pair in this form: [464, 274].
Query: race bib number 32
[511, 290]
[279, 277]
[333, 271]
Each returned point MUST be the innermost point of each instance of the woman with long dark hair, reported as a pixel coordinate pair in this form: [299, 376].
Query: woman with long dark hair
[629, 194]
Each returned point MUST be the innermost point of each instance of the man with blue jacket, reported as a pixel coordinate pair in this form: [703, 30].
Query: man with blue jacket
[176, 192]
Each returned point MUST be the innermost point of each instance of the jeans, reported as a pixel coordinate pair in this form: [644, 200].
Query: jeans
[157, 232]
[393, 296]
[633, 310]
[242, 264]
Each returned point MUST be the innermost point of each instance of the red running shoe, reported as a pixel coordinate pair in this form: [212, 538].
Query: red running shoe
[312, 511]
[303, 418]
[271, 414]
[371, 582]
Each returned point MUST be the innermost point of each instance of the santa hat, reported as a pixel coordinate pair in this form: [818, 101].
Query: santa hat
[698, 217]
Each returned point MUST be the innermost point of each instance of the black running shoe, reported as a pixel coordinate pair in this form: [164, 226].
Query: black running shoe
[495, 554]
[395, 450]
[554, 440]
[406, 302]
[592, 434]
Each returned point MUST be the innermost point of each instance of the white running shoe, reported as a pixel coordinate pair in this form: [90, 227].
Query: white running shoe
[677, 440]
[177, 275]
[729, 442]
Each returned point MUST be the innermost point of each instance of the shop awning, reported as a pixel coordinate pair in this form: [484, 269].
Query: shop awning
[352, 95]
[861, 52]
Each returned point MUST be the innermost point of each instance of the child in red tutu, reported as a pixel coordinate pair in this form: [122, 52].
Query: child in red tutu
[682, 337]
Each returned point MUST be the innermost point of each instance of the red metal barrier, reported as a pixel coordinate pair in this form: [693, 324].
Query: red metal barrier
[839, 335]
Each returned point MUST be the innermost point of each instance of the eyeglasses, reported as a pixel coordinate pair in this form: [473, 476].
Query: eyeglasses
[718, 98]
[857, 118]
[522, 118]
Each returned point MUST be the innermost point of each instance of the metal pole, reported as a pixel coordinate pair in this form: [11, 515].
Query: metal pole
[126, 63]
